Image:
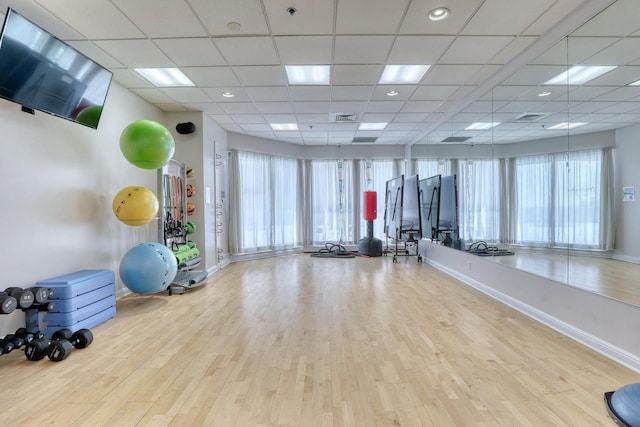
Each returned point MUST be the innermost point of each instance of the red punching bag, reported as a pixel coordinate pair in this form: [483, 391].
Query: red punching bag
[370, 205]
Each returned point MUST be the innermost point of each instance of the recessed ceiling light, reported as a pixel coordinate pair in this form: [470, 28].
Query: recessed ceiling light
[284, 126]
[482, 125]
[165, 77]
[403, 74]
[393, 93]
[234, 26]
[308, 74]
[228, 94]
[372, 126]
[580, 74]
[439, 13]
[546, 93]
[565, 125]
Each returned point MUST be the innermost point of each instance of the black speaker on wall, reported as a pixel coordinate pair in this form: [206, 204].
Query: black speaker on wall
[185, 128]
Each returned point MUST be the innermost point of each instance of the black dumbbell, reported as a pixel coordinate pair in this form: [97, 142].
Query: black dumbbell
[44, 306]
[40, 294]
[39, 347]
[28, 336]
[24, 297]
[6, 346]
[17, 341]
[61, 347]
[7, 303]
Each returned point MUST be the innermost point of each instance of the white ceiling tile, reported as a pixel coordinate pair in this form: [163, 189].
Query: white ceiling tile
[356, 74]
[400, 126]
[206, 107]
[506, 16]
[455, 74]
[216, 15]
[275, 107]
[313, 133]
[311, 17]
[533, 75]
[316, 141]
[346, 107]
[620, 94]
[247, 118]
[313, 127]
[191, 51]
[351, 93]
[312, 118]
[305, 50]
[211, 76]
[257, 127]
[135, 53]
[269, 75]
[384, 106]
[130, 79]
[186, 94]
[169, 18]
[310, 93]
[102, 20]
[239, 108]
[280, 118]
[248, 50]
[377, 118]
[431, 93]
[419, 49]
[171, 107]
[513, 49]
[410, 117]
[420, 106]
[382, 16]
[268, 93]
[221, 118]
[362, 49]
[153, 95]
[343, 127]
[416, 21]
[464, 49]
[619, 19]
[311, 107]
[340, 140]
[404, 92]
[620, 53]
[618, 77]
[45, 19]
[215, 93]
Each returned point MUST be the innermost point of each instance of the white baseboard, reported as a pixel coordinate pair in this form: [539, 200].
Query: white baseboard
[596, 344]
[626, 258]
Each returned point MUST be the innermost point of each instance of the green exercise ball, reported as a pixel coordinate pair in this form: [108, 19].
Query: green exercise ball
[147, 144]
[90, 116]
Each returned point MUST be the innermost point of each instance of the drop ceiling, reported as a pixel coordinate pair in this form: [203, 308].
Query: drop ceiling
[489, 60]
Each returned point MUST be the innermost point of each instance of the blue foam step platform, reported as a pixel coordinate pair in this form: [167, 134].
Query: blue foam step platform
[76, 303]
[87, 323]
[78, 283]
[76, 316]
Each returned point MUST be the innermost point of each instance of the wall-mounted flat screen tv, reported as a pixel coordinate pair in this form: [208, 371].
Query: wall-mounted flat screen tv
[41, 72]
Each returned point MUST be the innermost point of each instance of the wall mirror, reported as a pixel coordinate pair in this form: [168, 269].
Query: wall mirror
[559, 159]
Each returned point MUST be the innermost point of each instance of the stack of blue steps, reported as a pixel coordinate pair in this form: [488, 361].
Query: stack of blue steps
[83, 299]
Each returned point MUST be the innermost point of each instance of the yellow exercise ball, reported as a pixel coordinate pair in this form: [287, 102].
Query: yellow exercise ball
[135, 205]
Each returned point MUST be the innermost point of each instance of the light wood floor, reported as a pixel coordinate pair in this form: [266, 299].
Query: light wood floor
[301, 341]
[604, 276]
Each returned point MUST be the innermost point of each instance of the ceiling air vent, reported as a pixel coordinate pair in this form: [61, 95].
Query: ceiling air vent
[530, 117]
[456, 139]
[364, 139]
[341, 117]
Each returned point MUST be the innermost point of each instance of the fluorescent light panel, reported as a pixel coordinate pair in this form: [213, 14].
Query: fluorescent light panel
[482, 125]
[565, 125]
[165, 77]
[636, 83]
[284, 126]
[372, 126]
[580, 74]
[308, 74]
[403, 74]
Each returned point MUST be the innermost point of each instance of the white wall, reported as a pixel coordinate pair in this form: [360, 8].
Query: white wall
[59, 179]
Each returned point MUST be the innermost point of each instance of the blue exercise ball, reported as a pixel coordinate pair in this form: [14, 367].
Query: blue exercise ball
[148, 268]
[626, 403]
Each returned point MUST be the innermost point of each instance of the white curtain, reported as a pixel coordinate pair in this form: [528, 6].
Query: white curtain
[533, 199]
[479, 199]
[332, 201]
[266, 200]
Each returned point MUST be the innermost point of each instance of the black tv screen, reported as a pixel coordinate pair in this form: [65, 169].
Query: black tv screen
[448, 221]
[430, 205]
[411, 225]
[393, 207]
[43, 73]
